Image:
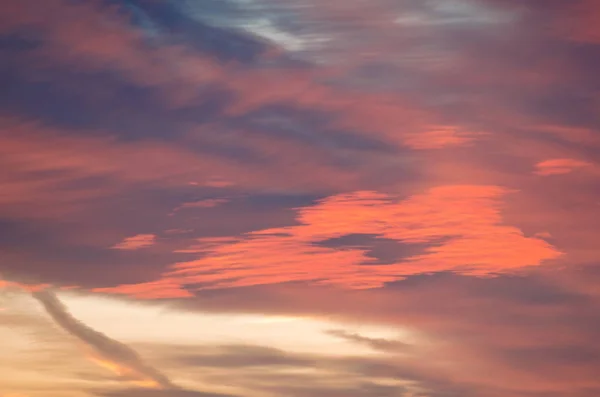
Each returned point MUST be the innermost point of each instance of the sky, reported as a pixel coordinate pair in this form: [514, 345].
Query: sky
[300, 198]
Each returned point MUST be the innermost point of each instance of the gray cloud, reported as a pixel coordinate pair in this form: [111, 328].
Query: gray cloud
[539, 331]
[386, 345]
[243, 356]
[109, 349]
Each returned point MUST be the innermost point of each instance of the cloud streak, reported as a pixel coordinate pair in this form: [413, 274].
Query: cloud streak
[136, 242]
[559, 166]
[107, 352]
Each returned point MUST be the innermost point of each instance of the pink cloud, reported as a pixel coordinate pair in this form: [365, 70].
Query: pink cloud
[208, 203]
[559, 166]
[466, 219]
[136, 242]
[103, 40]
[437, 137]
[37, 159]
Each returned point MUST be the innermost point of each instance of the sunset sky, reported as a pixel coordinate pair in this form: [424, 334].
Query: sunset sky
[299, 198]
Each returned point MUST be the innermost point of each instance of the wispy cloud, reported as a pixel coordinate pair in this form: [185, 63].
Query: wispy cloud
[559, 166]
[423, 164]
[385, 345]
[136, 242]
[114, 355]
[462, 224]
[207, 203]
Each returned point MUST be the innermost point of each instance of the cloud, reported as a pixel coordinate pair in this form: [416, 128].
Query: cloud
[207, 203]
[440, 137]
[559, 166]
[461, 330]
[136, 242]
[104, 41]
[107, 352]
[424, 125]
[579, 22]
[123, 49]
[241, 356]
[466, 219]
[263, 370]
[159, 393]
[70, 170]
[386, 345]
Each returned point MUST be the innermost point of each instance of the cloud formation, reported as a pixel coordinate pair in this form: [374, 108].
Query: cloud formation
[559, 166]
[462, 224]
[107, 352]
[429, 166]
[136, 242]
[460, 329]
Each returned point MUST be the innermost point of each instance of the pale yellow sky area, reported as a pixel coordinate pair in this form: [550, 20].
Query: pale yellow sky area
[41, 359]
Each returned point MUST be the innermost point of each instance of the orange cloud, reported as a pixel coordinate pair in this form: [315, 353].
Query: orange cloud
[136, 242]
[124, 372]
[160, 289]
[559, 166]
[24, 287]
[462, 225]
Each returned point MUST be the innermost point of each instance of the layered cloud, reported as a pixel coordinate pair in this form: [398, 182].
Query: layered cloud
[462, 329]
[428, 166]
